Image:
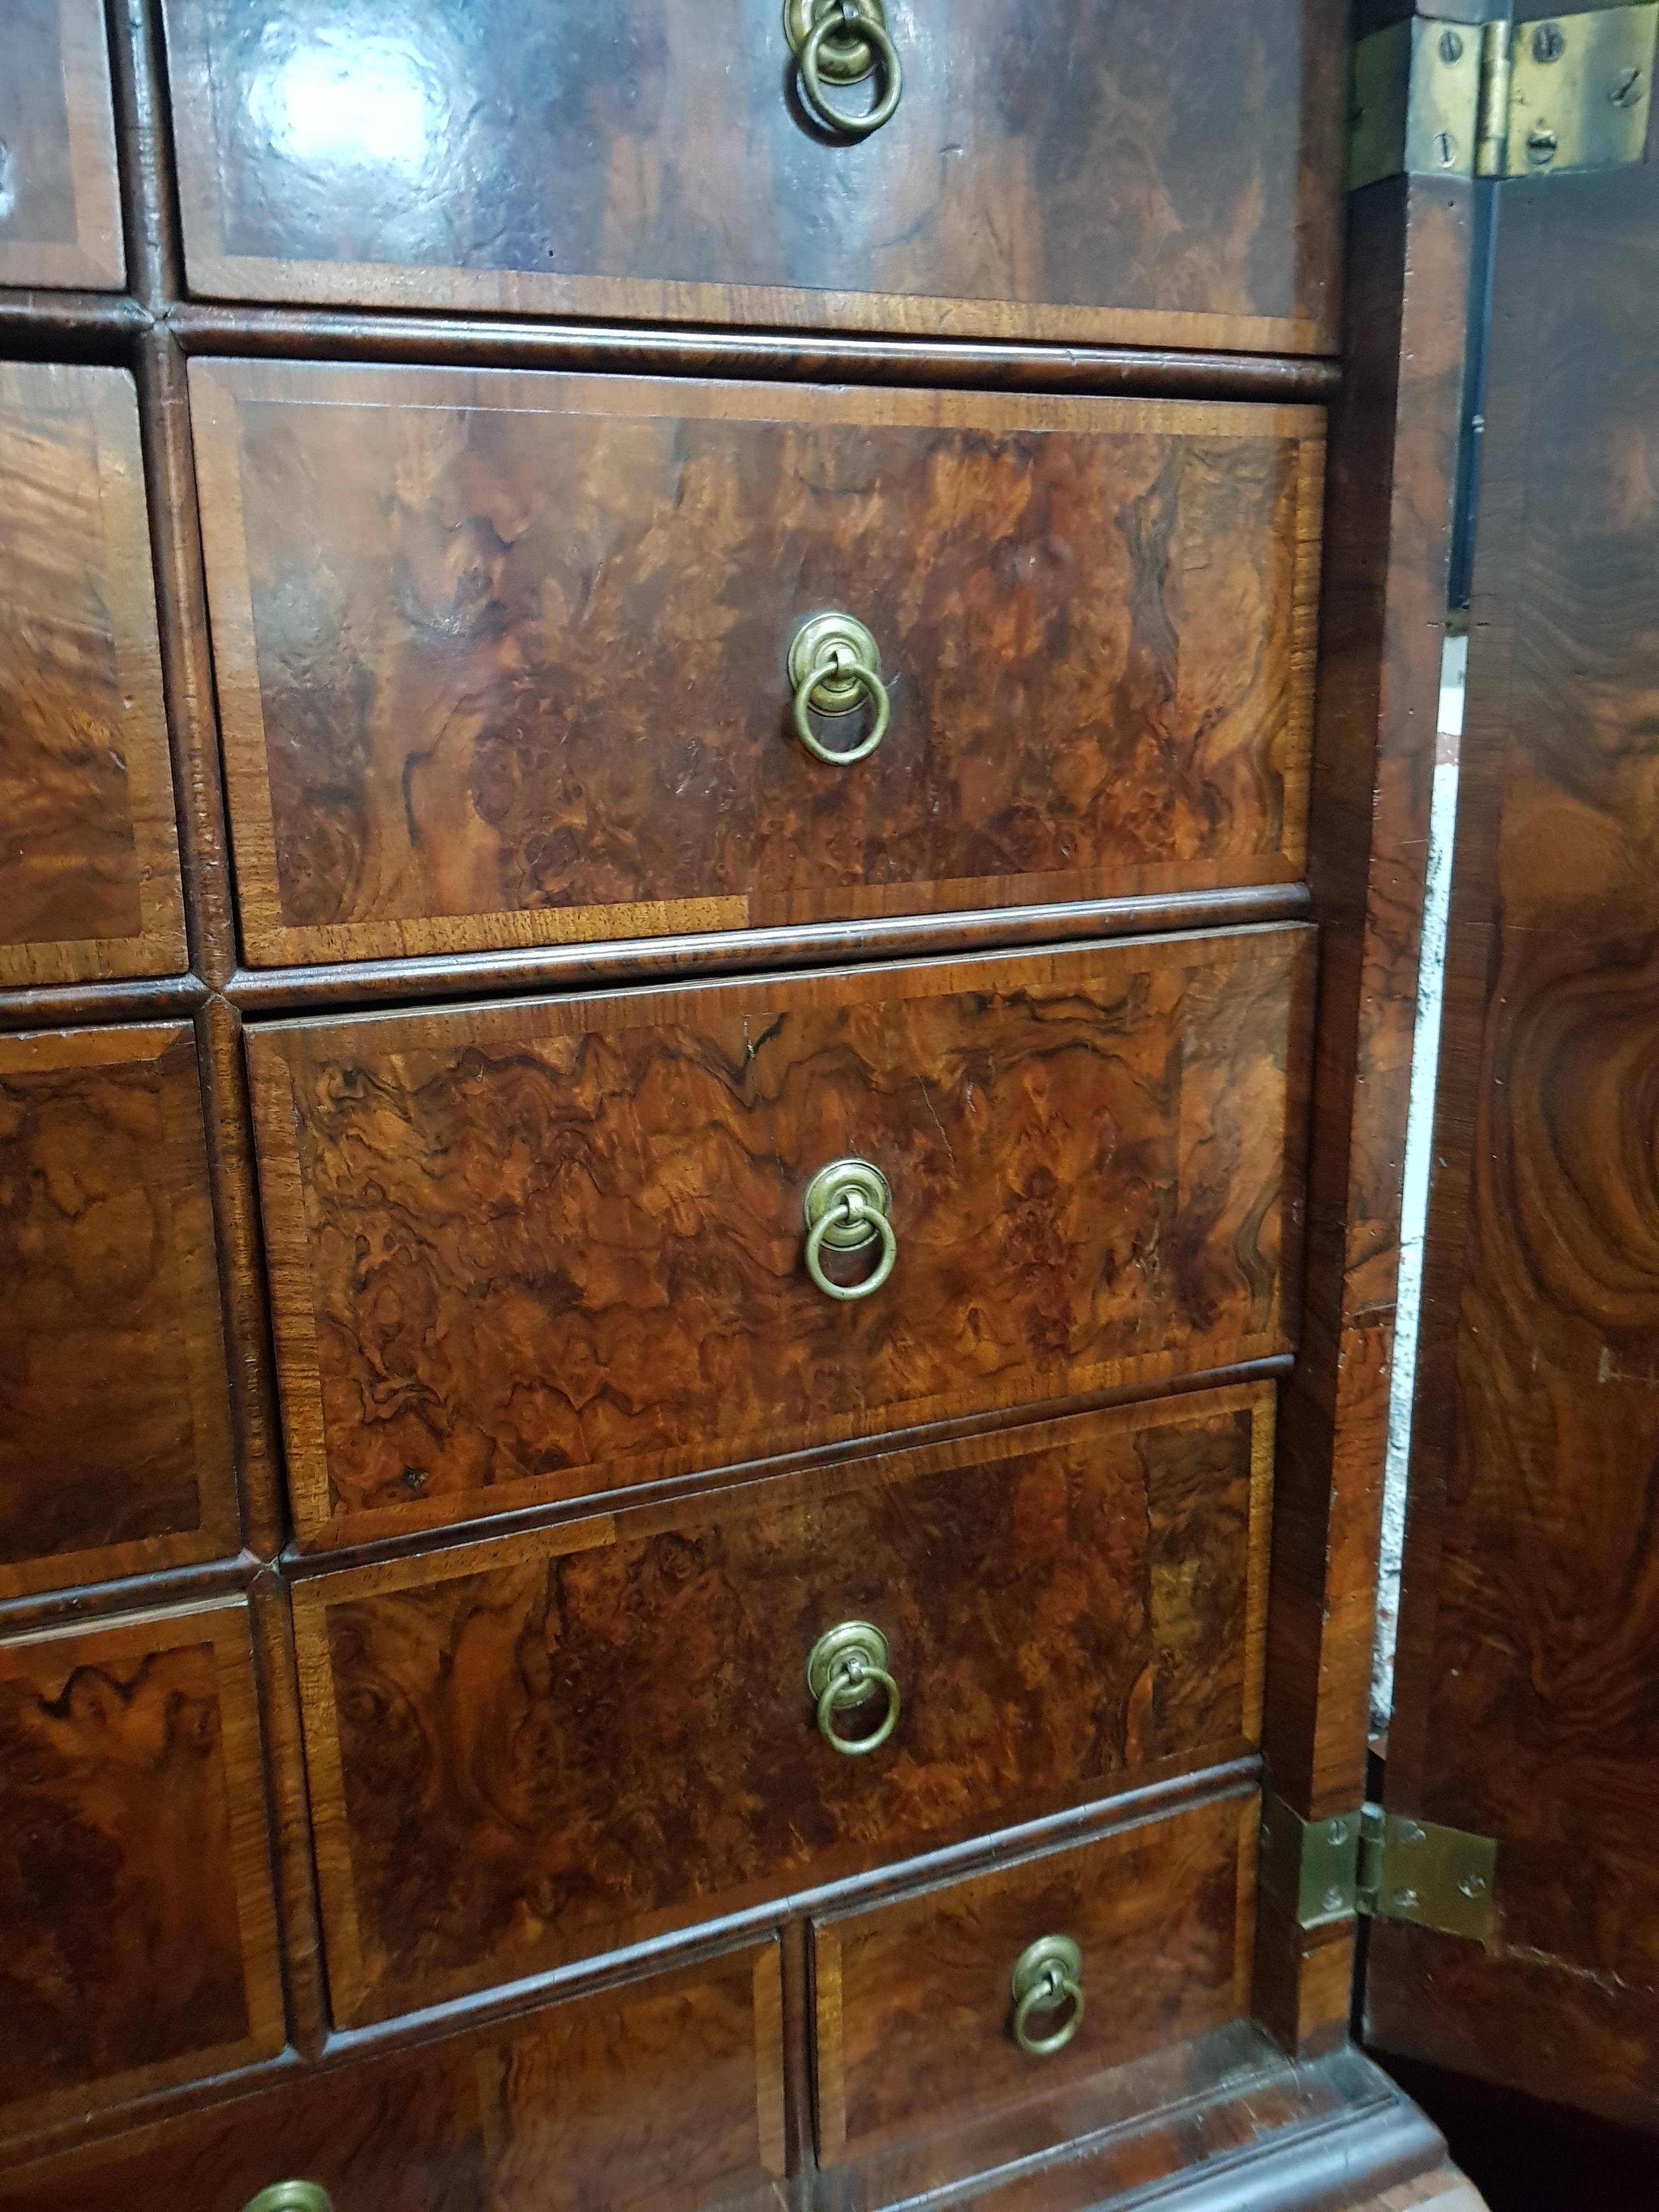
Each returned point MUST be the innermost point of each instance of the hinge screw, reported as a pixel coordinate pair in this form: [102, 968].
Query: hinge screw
[1336, 1832]
[1405, 1900]
[1541, 145]
[1628, 90]
[1451, 47]
[1445, 149]
[1333, 1899]
[1548, 44]
[1408, 1832]
[1472, 1886]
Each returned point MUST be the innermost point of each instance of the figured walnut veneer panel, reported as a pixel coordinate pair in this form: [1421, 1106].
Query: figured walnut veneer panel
[60, 206]
[135, 1873]
[115, 1443]
[604, 1730]
[502, 655]
[665, 2093]
[539, 1251]
[912, 2002]
[1162, 177]
[89, 849]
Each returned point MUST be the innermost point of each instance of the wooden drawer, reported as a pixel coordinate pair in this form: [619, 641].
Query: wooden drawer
[664, 2096]
[60, 207]
[135, 1873]
[1165, 178]
[913, 2000]
[535, 1251]
[527, 1750]
[88, 853]
[516, 669]
[115, 1444]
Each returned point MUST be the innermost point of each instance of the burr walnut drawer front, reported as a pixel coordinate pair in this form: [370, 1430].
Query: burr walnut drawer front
[134, 1870]
[60, 207]
[1163, 177]
[506, 659]
[115, 1445]
[534, 1251]
[936, 2009]
[530, 1749]
[88, 852]
[665, 2095]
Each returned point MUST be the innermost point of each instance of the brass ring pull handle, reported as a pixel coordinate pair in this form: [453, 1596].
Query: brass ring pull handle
[842, 42]
[846, 1207]
[1048, 1973]
[834, 666]
[291, 2197]
[843, 1666]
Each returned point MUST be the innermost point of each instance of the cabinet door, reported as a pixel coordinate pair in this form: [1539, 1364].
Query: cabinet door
[1168, 175]
[550, 1249]
[60, 207]
[135, 1869]
[89, 850]
[1526, 1709]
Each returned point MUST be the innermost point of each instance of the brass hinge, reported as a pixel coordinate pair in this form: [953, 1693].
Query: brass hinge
[1435, 99]
[1386, 1865]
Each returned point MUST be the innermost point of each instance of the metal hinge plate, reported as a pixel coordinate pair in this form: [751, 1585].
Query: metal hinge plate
[1497, 99]
[1385, 1865]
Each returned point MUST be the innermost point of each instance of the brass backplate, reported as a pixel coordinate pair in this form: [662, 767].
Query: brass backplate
[1580, 90]
[826, 1190]
[856, 1639]
[842, 59]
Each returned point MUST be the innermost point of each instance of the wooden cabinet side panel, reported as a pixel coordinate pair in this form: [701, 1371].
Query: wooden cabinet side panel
[60, 207]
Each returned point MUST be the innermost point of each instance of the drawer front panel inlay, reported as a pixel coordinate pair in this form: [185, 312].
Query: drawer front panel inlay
[1169, 176]
[540, 1250]
[604, 1730]
[503, 657]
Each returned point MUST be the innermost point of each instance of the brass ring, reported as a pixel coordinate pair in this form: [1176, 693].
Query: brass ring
[851, 126]
[1054, 1986]
[846, 669]
[851, 1209]
[847, 1687]
[291, 2197]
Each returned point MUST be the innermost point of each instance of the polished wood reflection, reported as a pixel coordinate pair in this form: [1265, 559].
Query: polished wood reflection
[502, 656]
[88, 851]
[60, 207]
[666, 2092]
[1166, 177]
[115, 1440]
[134, 1875]
[533, 1251]
[604, 1730]
[912, 2000]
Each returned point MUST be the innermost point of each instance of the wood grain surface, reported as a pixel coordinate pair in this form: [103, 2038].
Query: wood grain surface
[1394, 442]
[60, 207]
[115, 1447]
[1164, 179]
[512, 668]
[1527, 1707]
[89, 850]
[665, 2093]
[135, 1873]
[604, 1729]
[913, 2008]
[537, 1251]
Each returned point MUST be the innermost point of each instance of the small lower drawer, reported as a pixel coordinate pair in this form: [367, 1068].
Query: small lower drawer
[666, 2094]
[916, 2008]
